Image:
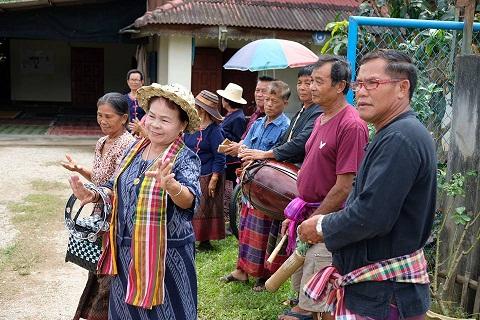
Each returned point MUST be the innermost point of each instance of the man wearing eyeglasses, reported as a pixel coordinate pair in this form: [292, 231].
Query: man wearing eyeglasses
[333, 154]
[378, 237]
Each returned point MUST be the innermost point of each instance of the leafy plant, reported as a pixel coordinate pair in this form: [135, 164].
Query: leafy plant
[421, 101]
[460, 247]
[409, 9]
[337, 43]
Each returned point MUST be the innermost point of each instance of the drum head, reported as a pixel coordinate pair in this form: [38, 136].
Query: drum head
[269, 186]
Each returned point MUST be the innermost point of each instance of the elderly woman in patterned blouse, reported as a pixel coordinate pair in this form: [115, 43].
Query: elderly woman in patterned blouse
[112, 116]
[155, 193]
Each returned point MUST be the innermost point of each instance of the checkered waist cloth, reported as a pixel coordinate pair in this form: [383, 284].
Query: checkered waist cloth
[329, 284]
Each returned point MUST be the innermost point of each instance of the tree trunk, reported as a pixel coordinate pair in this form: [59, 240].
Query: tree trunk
[464, 156]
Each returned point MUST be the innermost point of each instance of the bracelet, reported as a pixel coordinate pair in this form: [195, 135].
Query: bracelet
[179, 191]
[96, 198]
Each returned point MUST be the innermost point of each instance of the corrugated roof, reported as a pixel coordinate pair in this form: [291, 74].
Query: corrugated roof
[307, 15]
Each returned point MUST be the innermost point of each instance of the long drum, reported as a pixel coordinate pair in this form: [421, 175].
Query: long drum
[269, 186]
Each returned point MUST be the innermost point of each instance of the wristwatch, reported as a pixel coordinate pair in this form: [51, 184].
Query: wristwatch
[318, 227]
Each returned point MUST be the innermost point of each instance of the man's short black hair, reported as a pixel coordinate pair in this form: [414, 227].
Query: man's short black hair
[130, 72]
[399, 65]
[266, 78]
[340, 69]
[305, 71]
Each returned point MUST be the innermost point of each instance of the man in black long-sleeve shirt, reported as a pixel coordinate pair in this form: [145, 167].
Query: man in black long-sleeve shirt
[390, 211]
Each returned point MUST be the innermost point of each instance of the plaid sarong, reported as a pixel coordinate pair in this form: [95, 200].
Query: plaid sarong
[146, 272]
[329, 284]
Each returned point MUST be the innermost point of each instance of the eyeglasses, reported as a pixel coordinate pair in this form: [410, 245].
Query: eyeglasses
[371, 84]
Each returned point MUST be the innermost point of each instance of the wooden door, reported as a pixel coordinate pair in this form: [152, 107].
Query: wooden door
[87, 76]
[5, 70]
[207, 70]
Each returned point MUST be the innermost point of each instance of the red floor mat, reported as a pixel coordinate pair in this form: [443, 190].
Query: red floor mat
[73, 130]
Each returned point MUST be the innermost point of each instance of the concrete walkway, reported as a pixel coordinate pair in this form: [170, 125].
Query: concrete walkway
[13, 140]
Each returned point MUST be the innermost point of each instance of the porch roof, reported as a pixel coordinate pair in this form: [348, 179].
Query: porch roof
[28, 4]
[295, 15]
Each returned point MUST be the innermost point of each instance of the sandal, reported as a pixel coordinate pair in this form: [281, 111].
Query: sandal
[296, 315]
[230, 278]
[259, 285]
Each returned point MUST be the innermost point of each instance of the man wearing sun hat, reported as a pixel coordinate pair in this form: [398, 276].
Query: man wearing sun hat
[209, 222]
[234, 123]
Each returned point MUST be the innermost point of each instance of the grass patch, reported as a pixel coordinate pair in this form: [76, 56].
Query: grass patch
[44, 185]
[51, 163]
[37, 209]
[217, 300]
[6, 254]
[34, 218]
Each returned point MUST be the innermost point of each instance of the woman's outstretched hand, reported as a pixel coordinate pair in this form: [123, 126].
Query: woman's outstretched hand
[163, 174]
[83, 194]
[70, 164]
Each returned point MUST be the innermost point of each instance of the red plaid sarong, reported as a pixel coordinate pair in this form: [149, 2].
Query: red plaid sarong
[253, 240]
[329, 284]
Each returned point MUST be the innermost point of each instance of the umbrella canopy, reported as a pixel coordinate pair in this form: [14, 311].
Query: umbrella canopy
[268, 54]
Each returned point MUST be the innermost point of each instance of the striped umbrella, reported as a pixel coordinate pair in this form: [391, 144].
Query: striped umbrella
[268, 54]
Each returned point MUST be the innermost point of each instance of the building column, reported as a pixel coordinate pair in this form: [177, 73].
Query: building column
[175, 60]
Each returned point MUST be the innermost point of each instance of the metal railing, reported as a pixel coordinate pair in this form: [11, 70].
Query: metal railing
[433, 45]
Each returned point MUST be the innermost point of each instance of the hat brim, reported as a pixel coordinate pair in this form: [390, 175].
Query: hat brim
[211, 111]
[225, 95]
[183, 98]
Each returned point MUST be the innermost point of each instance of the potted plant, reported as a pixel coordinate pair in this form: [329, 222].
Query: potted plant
[444, 261]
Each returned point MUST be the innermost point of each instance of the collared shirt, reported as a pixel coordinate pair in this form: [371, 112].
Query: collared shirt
[254, 117]
[389, 213]
[263, 137]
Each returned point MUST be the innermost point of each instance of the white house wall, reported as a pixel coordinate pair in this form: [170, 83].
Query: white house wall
[175, 60]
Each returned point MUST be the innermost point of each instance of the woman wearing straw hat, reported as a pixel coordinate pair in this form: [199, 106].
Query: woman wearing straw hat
[234, 124]
[209, 222]
[150, 249]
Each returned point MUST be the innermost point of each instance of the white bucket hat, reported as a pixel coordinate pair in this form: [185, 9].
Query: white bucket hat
[232, 92]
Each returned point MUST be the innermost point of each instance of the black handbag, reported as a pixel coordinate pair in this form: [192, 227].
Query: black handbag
[85, 242]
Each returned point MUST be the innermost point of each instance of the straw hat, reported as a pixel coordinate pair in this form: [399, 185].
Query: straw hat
[208, 101]
[233, 92]
[176, 93]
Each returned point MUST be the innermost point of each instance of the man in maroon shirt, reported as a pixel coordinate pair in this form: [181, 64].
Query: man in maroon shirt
[333, 154]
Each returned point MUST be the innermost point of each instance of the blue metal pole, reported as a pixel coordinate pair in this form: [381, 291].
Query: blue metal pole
[355, 21]
[410, 23]
[352, 51]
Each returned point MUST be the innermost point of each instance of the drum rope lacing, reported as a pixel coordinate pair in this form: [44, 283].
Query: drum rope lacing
[249, 175]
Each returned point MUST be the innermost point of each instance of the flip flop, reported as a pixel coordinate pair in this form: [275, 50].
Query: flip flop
[297, 315]
[230, 278]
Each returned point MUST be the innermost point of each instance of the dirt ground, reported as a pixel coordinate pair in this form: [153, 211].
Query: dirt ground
[52, 289]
